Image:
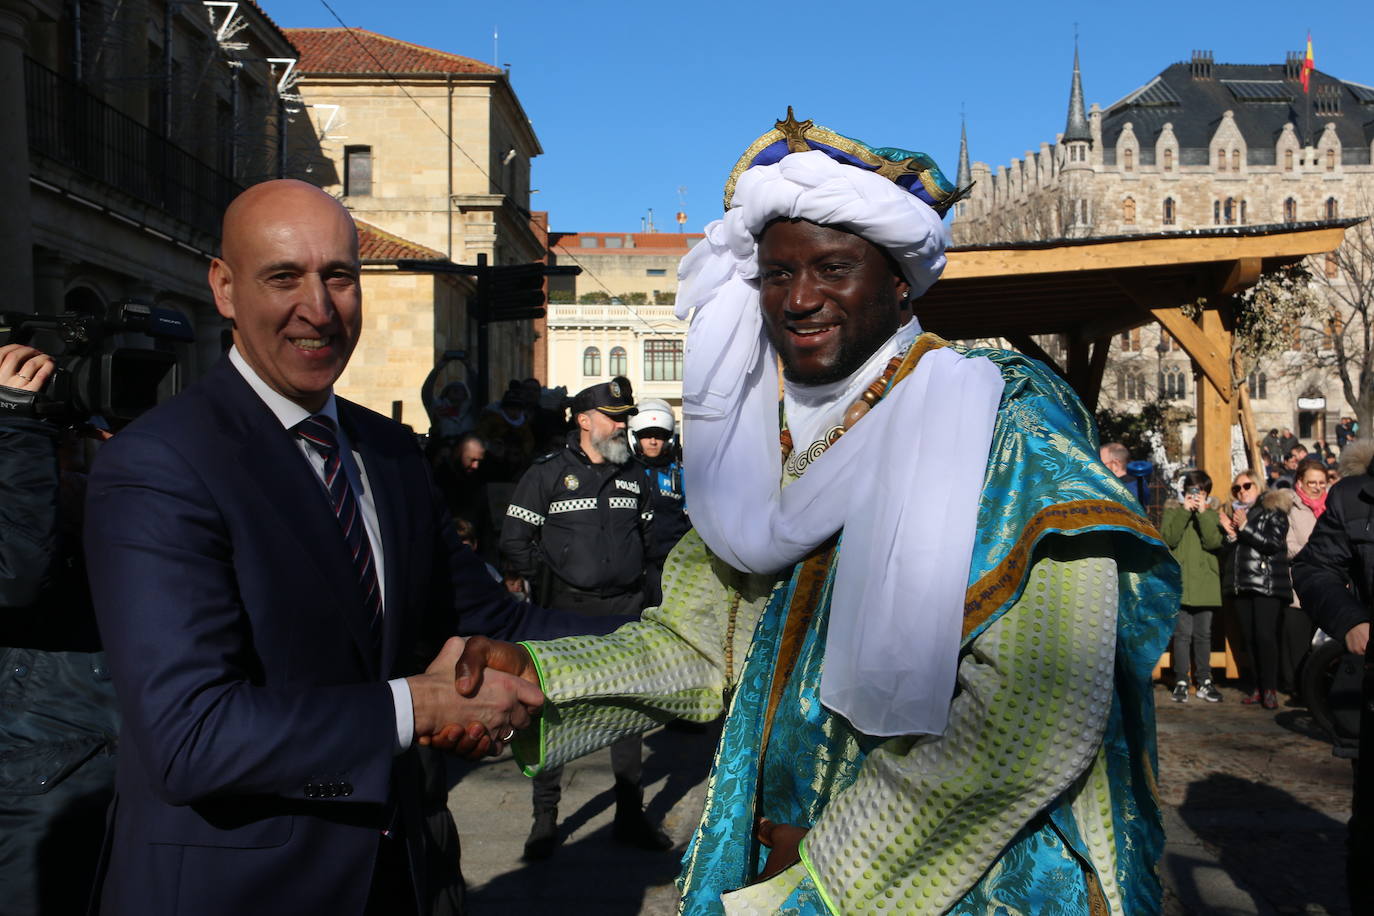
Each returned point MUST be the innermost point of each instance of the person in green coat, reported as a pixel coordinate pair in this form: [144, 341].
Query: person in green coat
[1193, 532]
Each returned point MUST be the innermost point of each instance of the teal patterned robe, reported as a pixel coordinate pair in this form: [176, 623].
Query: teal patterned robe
[1038, 799]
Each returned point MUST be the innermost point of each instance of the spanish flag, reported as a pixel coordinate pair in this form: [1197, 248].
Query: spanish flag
[1307, 65]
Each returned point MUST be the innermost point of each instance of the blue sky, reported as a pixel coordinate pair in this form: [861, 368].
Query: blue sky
[633, 100]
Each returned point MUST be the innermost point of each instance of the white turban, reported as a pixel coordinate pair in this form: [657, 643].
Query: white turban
[904, 484]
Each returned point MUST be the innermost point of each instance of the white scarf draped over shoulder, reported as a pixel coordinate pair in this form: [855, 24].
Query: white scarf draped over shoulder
[904, 484]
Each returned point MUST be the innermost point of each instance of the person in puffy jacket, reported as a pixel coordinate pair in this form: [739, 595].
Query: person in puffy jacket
[1258, 577]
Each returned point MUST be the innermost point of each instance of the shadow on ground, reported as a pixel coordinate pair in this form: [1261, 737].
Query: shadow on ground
[1287, 856]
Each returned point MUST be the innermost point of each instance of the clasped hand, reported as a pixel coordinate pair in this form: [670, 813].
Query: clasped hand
[473, 717]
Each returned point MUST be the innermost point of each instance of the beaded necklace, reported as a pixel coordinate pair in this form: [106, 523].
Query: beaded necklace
[796, 464]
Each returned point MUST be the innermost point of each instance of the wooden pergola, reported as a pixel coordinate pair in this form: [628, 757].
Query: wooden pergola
[1090, 290]
[1093, 289]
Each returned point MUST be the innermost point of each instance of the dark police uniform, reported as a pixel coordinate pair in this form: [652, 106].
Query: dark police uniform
[578, 531]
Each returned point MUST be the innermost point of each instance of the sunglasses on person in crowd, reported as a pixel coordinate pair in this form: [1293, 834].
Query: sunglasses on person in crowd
[1241, 488]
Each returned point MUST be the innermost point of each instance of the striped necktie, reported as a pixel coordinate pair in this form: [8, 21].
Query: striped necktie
[318, 430]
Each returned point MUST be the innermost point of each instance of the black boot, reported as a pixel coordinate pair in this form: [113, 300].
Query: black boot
[631, 827]
[543, 838]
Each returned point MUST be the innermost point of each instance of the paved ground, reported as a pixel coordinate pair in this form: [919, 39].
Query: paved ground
[1255, 813]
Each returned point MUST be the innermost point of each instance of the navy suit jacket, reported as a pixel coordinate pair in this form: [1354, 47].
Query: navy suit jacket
[257, 762]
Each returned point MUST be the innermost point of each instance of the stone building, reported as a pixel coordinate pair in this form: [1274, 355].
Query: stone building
[1200, 145]
[432, 150]
[129, 126]
[616, 318]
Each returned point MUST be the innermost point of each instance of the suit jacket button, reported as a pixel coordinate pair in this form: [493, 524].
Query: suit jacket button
[346, 789]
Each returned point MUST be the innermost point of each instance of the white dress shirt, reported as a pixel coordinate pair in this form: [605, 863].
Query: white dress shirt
[289, 413]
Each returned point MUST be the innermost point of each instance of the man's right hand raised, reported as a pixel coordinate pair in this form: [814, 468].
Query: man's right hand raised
[480, 653]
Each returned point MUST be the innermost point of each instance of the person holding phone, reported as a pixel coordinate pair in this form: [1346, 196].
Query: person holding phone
[1192, 529]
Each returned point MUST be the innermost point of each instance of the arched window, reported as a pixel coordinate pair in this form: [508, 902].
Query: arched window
[1216, 213]
[1168, 160]
[1242, 213]
[1259, 386]
[1169, 216]
[1221, 160]
[1235, 160]
[1228, 210]
[616, 364]
[1331, 160]
[1130, 386]
[1288, 160]
[1290, 211]
[1128, 158]
[1173, 383]
[1331, 208]
[1128, 210]
[591, 362]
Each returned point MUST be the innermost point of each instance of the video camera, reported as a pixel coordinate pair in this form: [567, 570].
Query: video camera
[95, 375]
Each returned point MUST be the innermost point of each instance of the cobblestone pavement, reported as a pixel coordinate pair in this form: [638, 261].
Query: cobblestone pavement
[1255, 814]
[1254, 796]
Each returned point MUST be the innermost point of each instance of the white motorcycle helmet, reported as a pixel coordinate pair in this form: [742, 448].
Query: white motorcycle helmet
[653, 414]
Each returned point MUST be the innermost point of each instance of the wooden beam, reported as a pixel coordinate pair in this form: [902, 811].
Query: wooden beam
[1241, 275]
[1079, 366]
[1028, 346]
[1119, 254]
[1247, 426]
[1097, 366]
[1200, 347]
[1211, 358]
[1214, 412]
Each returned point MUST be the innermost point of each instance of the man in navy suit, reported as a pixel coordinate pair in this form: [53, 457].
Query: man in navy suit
[265, 559]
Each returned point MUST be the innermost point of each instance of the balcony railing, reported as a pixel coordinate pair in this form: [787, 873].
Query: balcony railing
[600, 313]
[72, 127]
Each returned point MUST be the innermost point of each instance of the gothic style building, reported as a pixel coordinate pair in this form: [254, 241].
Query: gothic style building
[1200, 145]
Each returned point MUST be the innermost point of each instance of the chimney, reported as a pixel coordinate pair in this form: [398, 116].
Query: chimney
[1292, 66]
[1201, 66]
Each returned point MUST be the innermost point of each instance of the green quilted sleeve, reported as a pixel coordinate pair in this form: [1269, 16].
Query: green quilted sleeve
[676, 662]
[926, 817]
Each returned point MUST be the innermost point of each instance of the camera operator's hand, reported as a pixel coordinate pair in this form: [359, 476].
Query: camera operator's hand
[24, 367]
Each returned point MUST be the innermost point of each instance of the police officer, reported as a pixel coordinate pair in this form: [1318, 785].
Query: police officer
[657, 453]
[577, 527]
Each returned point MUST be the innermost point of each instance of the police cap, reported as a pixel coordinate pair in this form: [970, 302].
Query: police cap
[613, 398]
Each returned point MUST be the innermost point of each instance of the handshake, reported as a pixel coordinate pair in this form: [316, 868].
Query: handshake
[474, 696]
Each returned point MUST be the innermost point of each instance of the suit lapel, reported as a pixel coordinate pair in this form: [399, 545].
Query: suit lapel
[271, 459]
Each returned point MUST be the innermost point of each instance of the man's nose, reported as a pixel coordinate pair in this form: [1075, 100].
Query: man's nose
[803, 297]
[315, 305]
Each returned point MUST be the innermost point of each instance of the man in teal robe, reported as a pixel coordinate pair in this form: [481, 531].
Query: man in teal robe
[1023, 782]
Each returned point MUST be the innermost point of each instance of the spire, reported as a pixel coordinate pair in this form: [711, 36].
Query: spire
[965, 176]
[1077, 127]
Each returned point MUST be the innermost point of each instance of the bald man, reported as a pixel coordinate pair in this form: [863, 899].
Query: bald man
[265, 557]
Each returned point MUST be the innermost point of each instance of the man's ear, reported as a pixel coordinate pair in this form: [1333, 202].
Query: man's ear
[903, 289]
[222, 287]
[584, 421]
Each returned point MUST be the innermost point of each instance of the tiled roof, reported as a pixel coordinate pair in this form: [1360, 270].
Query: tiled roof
[1261, 97]
[337, 51]
[377, 245]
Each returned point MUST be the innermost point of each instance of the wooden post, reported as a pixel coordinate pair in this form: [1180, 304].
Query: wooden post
[1214, 408]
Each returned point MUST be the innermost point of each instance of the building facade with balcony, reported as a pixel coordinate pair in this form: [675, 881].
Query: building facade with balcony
[432, 149]
[616, 317]
[137, 123]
